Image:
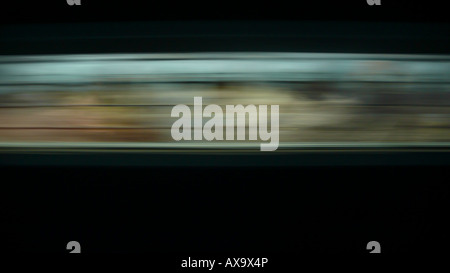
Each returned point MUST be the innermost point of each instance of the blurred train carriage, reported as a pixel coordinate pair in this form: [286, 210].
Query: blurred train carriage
[324, 98]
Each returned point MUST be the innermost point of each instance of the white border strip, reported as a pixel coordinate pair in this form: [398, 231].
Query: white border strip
[221, 55]
[206, 145]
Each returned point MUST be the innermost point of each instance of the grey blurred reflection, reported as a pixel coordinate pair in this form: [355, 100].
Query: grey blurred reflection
[323, 98]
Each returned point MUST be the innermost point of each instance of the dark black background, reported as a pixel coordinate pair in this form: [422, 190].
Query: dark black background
[268, 204]
[269, 209]
[54, 27]
[58, 11]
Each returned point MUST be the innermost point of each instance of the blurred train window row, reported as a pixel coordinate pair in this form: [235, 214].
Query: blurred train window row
[126, 99]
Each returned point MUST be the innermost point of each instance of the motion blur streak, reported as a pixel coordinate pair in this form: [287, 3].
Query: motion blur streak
[125, 100]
